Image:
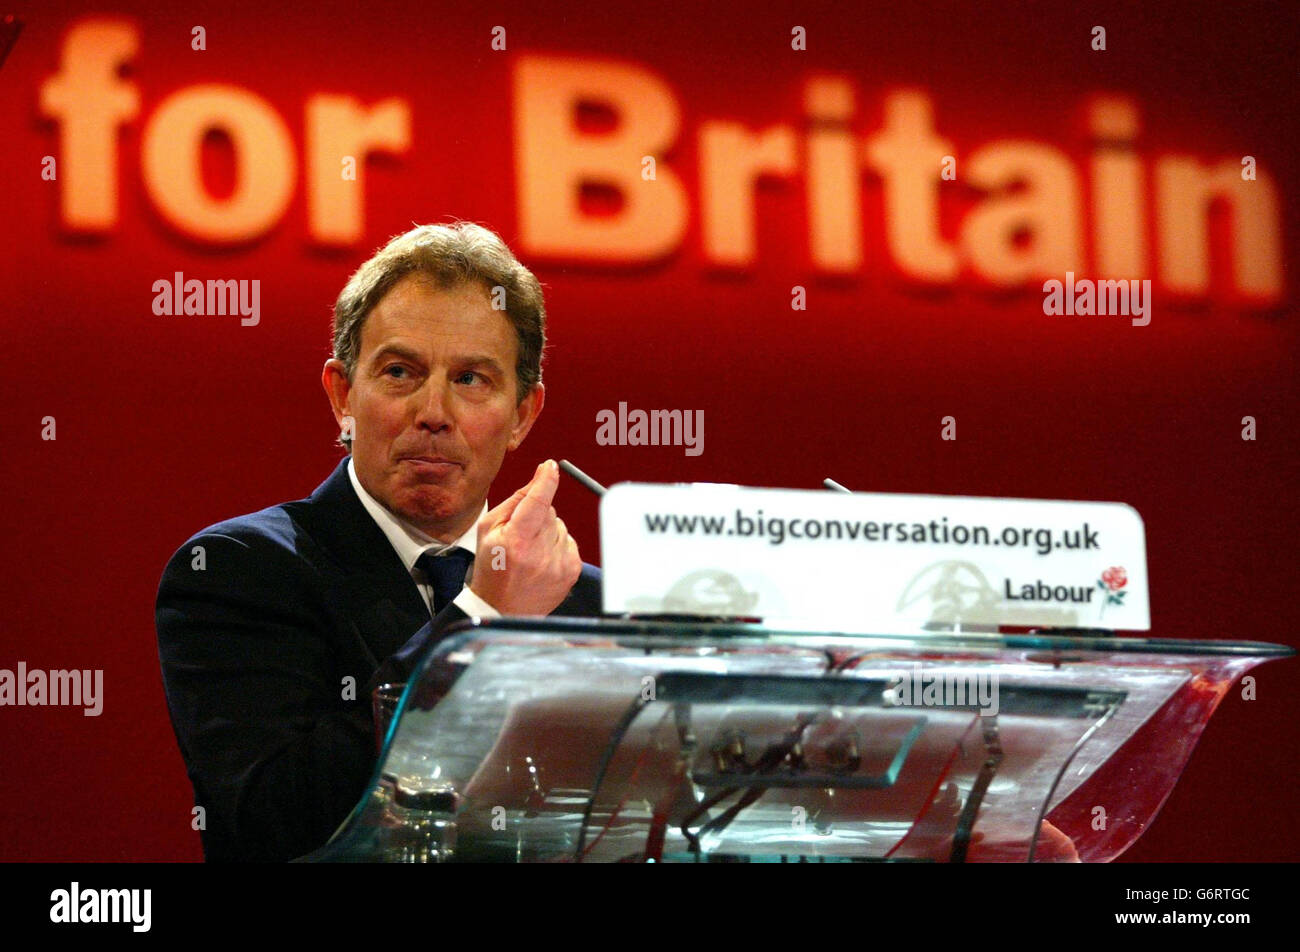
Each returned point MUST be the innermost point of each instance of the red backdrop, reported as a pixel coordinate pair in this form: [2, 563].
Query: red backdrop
[167, 424]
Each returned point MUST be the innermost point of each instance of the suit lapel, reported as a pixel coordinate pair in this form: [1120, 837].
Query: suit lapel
[368, 583]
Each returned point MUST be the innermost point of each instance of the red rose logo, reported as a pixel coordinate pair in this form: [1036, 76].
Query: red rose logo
[1111, 581]
[1115, 578]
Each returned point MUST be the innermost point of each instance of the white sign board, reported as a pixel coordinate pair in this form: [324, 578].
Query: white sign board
[872, 562]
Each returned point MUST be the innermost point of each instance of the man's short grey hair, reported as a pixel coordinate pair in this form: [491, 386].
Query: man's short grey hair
[448, 256]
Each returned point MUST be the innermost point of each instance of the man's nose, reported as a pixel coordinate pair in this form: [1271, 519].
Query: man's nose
[433, 406]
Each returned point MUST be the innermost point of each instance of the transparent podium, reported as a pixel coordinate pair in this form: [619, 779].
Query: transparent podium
[554, 740]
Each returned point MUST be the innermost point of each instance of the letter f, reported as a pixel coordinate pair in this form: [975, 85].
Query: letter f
[89, 100]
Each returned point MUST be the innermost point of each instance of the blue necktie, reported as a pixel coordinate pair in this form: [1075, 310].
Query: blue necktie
[446, 573]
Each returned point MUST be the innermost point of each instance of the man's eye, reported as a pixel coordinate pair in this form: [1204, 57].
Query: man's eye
[396, 371]
[468, 376]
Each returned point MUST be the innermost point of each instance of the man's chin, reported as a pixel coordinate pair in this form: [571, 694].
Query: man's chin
[432, 509]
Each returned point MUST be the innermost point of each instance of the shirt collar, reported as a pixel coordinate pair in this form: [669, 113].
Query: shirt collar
[410, 542]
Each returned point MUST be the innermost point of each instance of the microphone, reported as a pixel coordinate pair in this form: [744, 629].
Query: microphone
[582, 477]
[666, 617]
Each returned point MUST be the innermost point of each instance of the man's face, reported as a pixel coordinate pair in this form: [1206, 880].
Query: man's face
[435, 403]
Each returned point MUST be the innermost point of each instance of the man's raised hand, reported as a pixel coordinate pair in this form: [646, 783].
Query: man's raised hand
[537, 562]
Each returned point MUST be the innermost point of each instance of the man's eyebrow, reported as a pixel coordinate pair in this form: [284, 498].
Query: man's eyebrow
[395, 350]
[479, 360]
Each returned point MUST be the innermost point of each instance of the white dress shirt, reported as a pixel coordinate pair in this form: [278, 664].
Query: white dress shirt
[410, 543]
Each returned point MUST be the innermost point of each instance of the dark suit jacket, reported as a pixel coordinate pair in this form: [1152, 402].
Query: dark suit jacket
[256, 647]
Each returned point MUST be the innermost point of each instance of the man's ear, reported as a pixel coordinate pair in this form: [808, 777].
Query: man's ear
[334, 378]
[526, 414]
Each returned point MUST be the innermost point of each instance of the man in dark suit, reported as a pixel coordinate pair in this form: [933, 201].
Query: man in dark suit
[275, 627]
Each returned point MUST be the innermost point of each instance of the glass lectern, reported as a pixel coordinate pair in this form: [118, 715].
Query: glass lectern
[552, 740]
